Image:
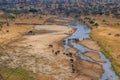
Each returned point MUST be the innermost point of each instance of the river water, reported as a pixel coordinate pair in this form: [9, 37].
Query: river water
[82, 33]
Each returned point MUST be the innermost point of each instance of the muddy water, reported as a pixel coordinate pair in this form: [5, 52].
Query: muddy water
[82, 33]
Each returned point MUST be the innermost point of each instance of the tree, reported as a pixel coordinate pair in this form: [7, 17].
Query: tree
[33, 10]
[8, 17]
[94, 12]
[67, 13]
[96, 24]
[11, 17]
[91, 22]
[16, 12]
[107, 13]
[1, 27]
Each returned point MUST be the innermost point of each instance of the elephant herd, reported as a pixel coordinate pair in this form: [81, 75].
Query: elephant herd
[68, 54]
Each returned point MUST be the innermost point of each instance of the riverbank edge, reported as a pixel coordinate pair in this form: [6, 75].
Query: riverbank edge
[105, 52]
[75, 54]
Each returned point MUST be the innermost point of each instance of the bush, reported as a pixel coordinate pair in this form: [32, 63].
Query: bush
[33, 10]
[96, 24]
[1, 26]
[12, 17]
[104, 20]
[91, 22]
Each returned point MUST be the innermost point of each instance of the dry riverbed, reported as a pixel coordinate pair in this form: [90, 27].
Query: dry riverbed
[36, 53]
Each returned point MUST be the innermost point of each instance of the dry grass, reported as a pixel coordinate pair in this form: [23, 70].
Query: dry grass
[93, 72]
[12, 33]
[45, 77]
[38, 57]
[32, 19]
[16, 31]
[105, 36]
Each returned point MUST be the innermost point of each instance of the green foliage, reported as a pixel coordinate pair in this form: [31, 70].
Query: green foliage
[16, 12]
[11, 17]
[76, 16]
[100, 12]
[114, 11]
[86, 12]
[13, 11]
[107, 13]
[67, 13]
[33, 10]
[91, 22]
[94, 12]
[7, 16]
[60, 7]
[84, 22]
[118, 24]
[1, 26]
[96, 24]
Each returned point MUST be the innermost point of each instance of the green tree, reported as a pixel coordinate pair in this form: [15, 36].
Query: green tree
[33, 10]
[8, 17]
[11, 17]
[16, 12]
[1, 27]
[67, 13]
[91, 22]
[96, 24]
[107, 13]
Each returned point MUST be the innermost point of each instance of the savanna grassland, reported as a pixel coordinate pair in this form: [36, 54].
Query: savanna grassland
[28, 51]
[11, 33]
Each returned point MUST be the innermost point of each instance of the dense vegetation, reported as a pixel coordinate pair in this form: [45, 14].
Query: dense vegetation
[74, 8]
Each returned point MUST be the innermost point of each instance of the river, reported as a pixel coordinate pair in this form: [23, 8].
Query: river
[82, 33]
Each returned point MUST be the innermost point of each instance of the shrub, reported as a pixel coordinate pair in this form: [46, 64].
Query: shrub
[1, 26]
[91, 22]
[104, 20]
[96, 24]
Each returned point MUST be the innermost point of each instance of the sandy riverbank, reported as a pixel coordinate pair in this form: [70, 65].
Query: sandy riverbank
[90, 44]
[93, 46]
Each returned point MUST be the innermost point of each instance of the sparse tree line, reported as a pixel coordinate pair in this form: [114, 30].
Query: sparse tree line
[11, 15]
[90, 21]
